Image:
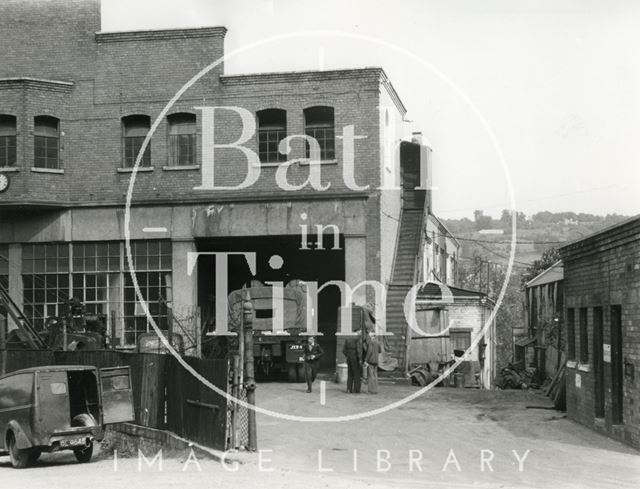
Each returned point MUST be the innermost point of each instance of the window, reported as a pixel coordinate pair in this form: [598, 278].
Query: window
[152, 263]
[135, 129]
[571, 334]
[272, 128]
[96, 278]
[4, 265]
[319, 124]
[7, 140]
[182, 140]
[45, 280]
[584, 336]
[460, 340]
[46, 142]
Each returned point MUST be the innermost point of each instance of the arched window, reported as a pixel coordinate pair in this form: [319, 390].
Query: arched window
[134, 130]
[272, 128]
[319, 124]
[46, 142]
[7, 140]
[182, 139]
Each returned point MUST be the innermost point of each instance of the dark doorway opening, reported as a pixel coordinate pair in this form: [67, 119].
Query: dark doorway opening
[598, 362]
[319, 265]
[616, 366]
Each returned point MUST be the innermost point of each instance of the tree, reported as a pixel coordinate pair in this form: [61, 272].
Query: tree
[548, 258]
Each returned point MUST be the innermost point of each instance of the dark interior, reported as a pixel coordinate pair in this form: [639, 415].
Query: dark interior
[309, 265]
[83, 393]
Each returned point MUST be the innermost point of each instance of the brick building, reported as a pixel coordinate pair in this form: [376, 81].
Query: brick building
[75, 107]
[602, 317]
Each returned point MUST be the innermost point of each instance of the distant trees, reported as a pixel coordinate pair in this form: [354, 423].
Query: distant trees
[548, 258]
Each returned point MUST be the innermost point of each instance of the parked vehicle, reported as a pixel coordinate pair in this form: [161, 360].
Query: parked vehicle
[274, 353]
[60, 407]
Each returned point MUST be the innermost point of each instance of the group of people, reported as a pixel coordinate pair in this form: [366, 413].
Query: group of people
[362, 357]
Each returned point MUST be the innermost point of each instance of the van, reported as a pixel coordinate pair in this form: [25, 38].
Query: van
[61, 407]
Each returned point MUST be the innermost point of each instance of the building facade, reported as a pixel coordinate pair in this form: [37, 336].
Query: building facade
[76, 106]
[544, 309]
[602, 317]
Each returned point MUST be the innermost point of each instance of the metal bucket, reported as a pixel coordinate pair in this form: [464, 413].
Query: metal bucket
[341, 373]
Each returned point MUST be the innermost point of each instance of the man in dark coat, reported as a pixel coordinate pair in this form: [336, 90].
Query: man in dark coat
[312, 353]
[353, 352]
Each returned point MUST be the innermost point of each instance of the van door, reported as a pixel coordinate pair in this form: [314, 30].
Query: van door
[117, 395]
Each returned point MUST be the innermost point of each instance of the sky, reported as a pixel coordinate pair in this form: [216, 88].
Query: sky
[553, 86]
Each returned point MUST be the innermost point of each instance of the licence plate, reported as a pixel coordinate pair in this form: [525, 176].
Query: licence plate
[73, 442]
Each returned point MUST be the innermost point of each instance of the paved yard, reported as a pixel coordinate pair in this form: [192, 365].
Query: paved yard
[445, 429]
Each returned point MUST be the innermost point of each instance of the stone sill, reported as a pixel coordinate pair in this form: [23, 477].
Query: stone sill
[57, 171]
[584, 367]
[141, 169]
[178, 168]
[297, 161]
[9, 169]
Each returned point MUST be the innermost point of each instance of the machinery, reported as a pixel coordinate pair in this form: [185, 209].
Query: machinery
[75, 331]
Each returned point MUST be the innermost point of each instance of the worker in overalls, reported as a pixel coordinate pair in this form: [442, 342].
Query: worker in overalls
[312, 353]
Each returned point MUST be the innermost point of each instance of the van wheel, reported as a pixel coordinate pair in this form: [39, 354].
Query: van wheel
[83, 455]
[19, 457]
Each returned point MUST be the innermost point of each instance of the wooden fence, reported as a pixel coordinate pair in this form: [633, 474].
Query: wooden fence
[166, 396]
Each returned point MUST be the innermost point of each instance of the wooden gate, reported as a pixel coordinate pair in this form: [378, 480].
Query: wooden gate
[194, 410]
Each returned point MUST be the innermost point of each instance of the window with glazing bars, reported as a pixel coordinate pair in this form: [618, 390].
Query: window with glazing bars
[135, 129]
[7, 140]
[152, 263]
[272, 128]
[182, 140]
[319, 124]
[46, 142]
[45, 279]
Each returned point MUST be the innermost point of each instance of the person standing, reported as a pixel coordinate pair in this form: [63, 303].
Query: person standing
[312, 353]
[352, 350]
[371, 355]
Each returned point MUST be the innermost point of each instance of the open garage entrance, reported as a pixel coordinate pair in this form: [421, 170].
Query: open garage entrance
[319, 265]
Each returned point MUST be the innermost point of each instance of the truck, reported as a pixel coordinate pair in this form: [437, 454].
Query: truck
[276, 353]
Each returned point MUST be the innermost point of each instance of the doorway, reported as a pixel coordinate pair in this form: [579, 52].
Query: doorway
[617, 380]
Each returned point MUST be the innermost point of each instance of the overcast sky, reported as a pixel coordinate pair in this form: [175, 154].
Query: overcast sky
[558, 82]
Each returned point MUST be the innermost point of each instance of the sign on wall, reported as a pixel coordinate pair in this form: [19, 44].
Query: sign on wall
[606, 353]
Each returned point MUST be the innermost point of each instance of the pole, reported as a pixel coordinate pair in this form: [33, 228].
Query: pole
[249, 374]
[3, 345]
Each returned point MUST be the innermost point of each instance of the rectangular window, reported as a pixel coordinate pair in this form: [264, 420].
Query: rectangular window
[268, 142]
[46, 142]
[182, 149]
[584, 336]
[132, 146]
[152, 264]
[45, 279]
[4, 265]
[7, 150]
[460, 340]
[571, 334]
[7, 140]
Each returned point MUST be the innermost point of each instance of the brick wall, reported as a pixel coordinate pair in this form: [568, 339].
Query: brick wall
[604, 271]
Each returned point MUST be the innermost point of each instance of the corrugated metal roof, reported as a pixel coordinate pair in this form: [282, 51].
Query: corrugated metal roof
[552, 274]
